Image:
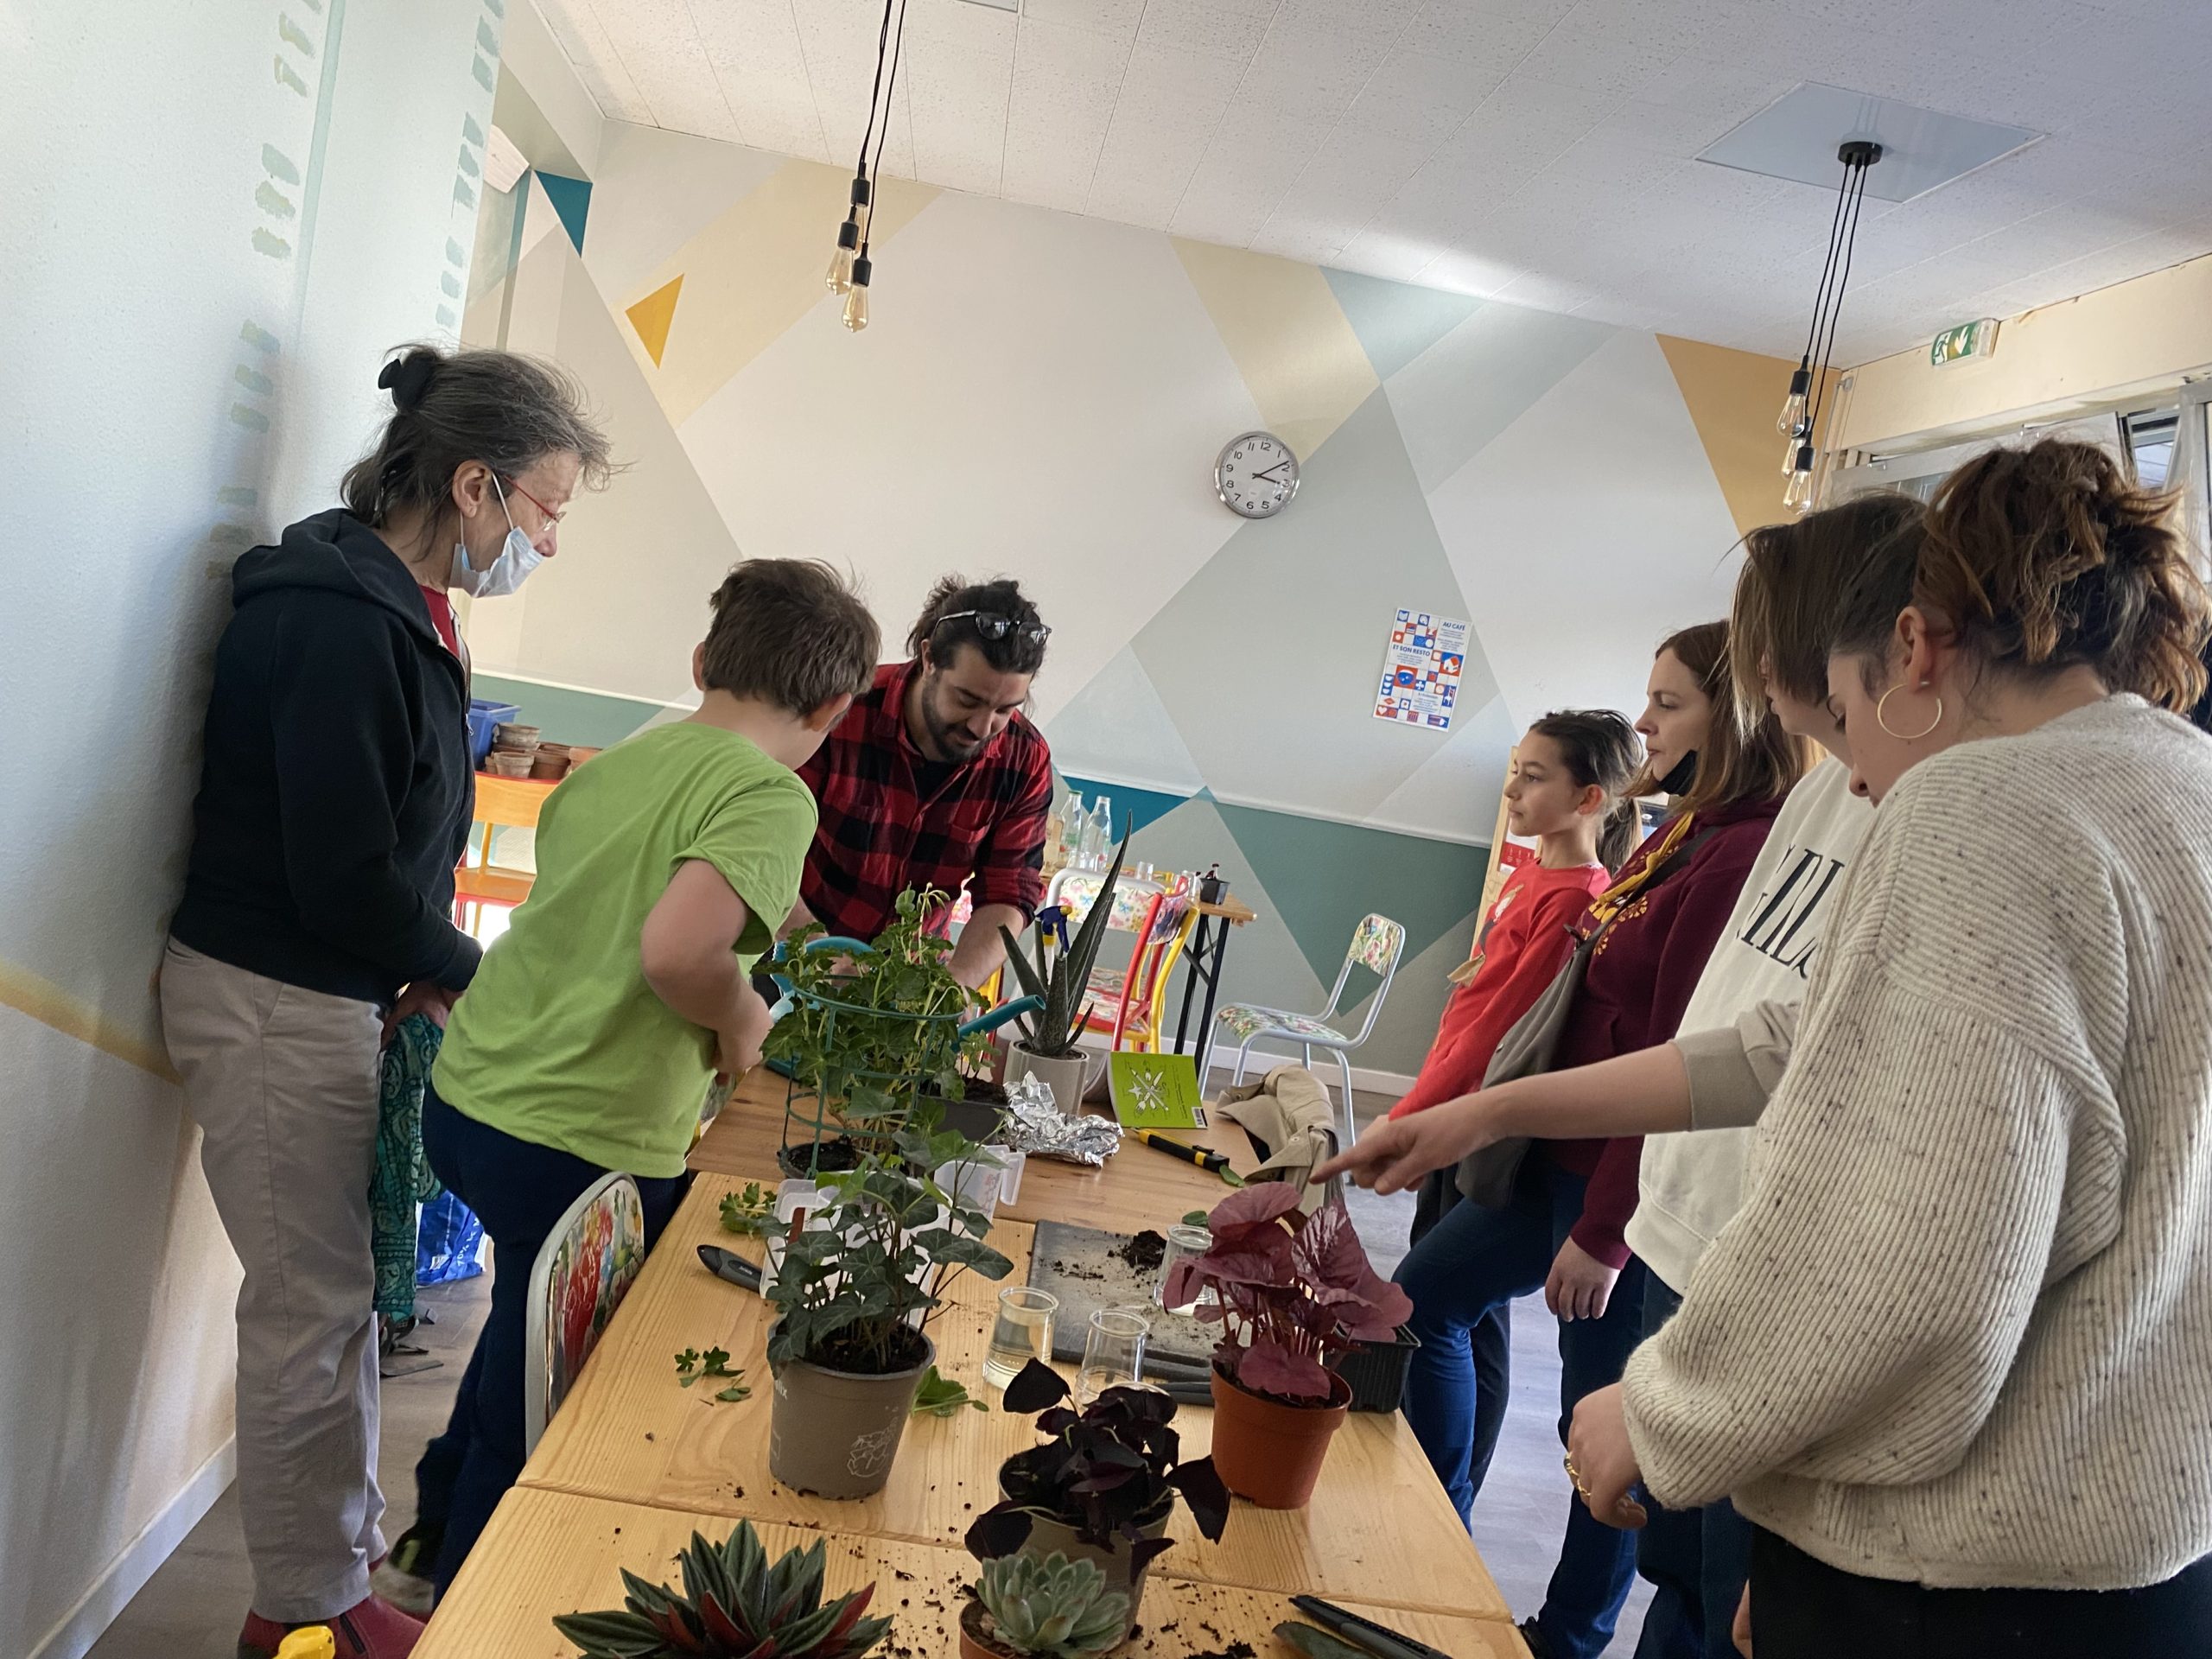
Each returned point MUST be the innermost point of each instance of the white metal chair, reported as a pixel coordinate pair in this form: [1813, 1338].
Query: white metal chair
[584, 1270]
[1376, 945]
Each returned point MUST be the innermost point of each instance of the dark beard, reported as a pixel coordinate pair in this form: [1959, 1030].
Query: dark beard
[948, 748]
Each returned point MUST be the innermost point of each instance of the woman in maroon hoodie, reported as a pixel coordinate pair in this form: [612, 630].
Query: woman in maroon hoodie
[1561, 1230]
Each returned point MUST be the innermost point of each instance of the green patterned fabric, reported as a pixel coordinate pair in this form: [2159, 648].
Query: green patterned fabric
[403, 1178]
[1244, 1020]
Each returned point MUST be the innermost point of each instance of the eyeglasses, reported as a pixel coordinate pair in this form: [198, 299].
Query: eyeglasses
[995, 627]
[551, 516]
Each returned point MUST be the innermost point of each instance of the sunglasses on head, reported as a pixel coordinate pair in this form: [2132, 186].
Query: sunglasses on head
[995, 627]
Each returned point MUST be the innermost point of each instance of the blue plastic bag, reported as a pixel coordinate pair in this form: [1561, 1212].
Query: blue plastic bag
[447, 1242]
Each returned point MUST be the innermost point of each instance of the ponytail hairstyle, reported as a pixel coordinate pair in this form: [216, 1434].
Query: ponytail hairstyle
[1744, 755]
[2044, 559]
[1600, 747]
[450, 408]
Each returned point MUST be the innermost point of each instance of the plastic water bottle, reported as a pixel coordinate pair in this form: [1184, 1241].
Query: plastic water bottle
[1102, 819]
[1072, 823]
[1091, 856]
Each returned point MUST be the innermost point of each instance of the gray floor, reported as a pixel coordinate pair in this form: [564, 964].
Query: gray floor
[192, 1608]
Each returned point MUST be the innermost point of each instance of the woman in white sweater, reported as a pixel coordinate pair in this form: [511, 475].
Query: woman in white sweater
[1954, 1357]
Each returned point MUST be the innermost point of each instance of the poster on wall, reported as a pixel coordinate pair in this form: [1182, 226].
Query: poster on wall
[1421, 671]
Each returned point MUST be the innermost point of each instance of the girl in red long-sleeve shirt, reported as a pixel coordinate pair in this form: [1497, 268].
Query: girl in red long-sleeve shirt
[1561, 1230]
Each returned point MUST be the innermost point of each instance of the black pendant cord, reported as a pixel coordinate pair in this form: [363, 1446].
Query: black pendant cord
[1828, 270]
[1858, 194]
[875, 92]
[898, 50]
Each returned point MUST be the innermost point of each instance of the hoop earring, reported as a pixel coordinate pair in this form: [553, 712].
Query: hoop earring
[1882, 719]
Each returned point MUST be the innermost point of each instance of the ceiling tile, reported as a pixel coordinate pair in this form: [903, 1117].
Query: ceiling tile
[577, 26]
[668, 62]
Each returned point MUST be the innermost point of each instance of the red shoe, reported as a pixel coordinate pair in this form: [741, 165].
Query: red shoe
[373, 1628]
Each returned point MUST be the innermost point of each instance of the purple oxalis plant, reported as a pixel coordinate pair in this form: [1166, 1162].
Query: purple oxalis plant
[1296, 1292]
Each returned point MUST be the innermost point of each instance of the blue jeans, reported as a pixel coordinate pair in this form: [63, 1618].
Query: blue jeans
[1461, 1275]
[1697, 1559]
[520, 1190]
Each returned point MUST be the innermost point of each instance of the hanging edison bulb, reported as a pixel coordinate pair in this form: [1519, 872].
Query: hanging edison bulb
[1798, 438]
[839, 277]
[1797, 497]
[855, 316]
[1791, 421]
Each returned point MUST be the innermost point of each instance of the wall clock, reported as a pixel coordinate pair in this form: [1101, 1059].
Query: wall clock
[1256, 474]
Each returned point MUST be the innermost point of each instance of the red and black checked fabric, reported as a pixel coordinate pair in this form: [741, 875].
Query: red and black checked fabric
[983, 828]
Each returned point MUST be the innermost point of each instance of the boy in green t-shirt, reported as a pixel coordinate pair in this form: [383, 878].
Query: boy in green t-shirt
[589, 1036]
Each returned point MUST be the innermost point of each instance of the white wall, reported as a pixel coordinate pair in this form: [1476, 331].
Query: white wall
[215, 219]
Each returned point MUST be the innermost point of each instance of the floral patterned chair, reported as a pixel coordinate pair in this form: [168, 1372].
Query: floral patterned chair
[1376, 945]
[582, 1272]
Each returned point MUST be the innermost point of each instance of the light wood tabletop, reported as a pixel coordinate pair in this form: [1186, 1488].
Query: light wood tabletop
[1379, 1525]
[548, 1553]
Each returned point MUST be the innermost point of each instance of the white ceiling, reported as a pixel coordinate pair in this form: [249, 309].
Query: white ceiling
[1538, 151]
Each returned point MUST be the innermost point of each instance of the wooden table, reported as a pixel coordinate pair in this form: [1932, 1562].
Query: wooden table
[631, 1448]
[548, 1553]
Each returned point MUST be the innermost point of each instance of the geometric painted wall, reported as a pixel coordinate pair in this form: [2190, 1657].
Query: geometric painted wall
[1043, 395]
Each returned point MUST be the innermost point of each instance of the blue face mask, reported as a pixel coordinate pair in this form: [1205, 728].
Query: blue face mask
[516, 559]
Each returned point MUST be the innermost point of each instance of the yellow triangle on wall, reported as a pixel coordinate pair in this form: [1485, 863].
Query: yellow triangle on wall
[651, 316]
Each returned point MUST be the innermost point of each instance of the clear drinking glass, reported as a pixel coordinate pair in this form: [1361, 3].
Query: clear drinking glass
[1113, 1352]
[1181, 1241]
[1022, 1332]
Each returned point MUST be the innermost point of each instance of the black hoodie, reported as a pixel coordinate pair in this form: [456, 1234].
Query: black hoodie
[335, 794]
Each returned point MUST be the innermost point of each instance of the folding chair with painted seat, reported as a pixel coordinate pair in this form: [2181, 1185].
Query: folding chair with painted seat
[1139, 991]
[584, 1270]
[1376, 945]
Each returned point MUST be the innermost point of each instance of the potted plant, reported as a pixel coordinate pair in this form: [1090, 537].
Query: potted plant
[853, 1293]
[735, 1604]
[869, 1032]
[1102, 1486]
[1048, 1047]
[1294, 1294]
[1048, 1606]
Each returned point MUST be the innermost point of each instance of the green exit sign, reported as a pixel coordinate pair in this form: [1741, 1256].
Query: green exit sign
[1977, 339]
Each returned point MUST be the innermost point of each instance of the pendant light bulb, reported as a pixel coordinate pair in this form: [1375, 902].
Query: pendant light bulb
[1791, 421]
[1790, 451]
[1798, 497]
[839, 277]
[855, 317]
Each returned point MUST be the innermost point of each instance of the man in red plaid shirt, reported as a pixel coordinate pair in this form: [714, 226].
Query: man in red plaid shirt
[936, 780]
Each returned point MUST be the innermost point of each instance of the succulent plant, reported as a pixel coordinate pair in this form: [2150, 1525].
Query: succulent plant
[735, 1604]
[1052, 1608]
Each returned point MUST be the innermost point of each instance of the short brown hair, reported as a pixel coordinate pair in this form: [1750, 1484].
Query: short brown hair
[1792, 586]
[1741, 757]
[790, 632]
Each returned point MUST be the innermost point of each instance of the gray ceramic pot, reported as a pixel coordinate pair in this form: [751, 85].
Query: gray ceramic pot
[1047, 1537]
[834, 1433]
[1067, 1078]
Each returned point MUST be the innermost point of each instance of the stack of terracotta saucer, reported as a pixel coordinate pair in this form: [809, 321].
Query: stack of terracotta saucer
[514, 751]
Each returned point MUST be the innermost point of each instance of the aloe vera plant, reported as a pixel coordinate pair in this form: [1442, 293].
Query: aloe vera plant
[735, 1604]
[1052, 1609]
[1063, 983]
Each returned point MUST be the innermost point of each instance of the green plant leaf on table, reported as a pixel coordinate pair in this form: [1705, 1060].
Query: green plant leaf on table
[749, 1213]
[1316, 1643]
[940, 1395]
[692, 1367]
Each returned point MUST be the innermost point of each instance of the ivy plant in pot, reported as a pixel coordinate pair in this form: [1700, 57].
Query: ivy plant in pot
[868, 1034]
[1048, 1047]
[853, 1296]
[1042, 1607]
[1102, 1486]
[1294, 1294]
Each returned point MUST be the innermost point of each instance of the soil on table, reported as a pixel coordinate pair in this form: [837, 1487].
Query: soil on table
[1144, 1252]
[826, 1157]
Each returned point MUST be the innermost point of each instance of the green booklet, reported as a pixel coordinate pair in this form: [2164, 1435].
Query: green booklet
[1155, 1091]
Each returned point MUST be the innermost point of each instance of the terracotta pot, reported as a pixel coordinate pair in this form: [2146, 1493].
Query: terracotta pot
[1067, 1078]
[834, 1433]
[1269, 1451]
[973, 1643]
[578, 754]
[1047, 1537]
[549, 768]
[513, 735]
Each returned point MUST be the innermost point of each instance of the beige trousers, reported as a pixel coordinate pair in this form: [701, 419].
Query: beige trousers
[283, 1085]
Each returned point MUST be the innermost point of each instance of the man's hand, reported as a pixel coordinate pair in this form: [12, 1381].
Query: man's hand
[1742, 1633]
[1602, 1462]
[1580, 1285]
[737, 1041]
[1396, 1151]
[422, 997]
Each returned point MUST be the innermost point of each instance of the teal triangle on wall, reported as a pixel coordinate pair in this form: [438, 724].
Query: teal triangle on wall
[1130, 807]
[571, 200]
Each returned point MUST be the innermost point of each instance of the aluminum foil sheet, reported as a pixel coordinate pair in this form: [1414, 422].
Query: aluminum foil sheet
[1035, 1126]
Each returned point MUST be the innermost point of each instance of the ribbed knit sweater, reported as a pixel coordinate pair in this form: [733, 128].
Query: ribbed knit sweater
[1960, 1333]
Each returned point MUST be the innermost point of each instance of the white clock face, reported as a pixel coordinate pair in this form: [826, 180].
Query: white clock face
[1256, 475]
